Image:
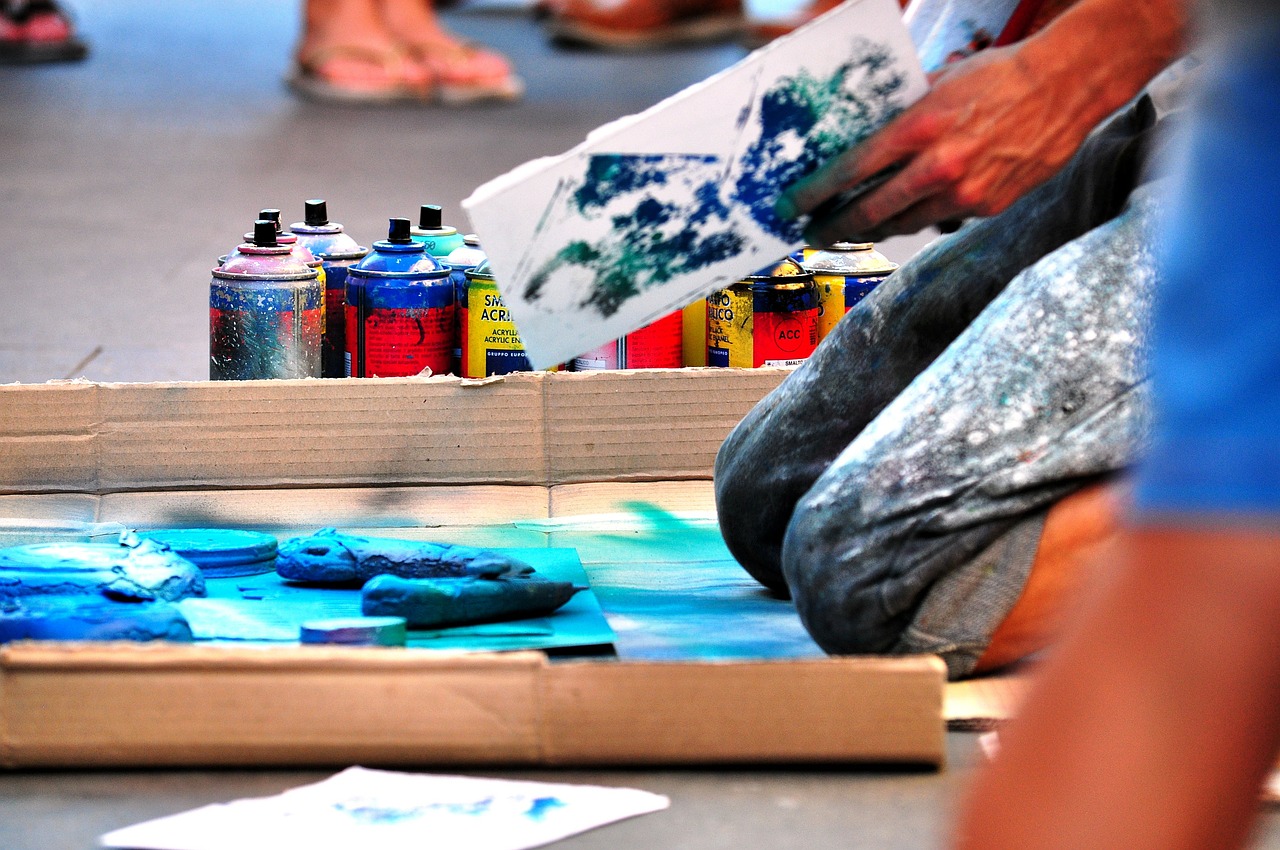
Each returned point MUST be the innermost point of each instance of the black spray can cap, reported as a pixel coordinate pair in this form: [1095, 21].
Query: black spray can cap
[264, 233]
[316, 213]
[398, 231]
[272, 216]
[430, 217]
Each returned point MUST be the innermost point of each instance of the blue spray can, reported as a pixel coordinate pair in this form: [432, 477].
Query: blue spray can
[399, 310]
[337, 252]
[266, 312]
[438, 238]
[460, 261]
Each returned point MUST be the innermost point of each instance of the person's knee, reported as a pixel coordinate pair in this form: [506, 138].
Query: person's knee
[836, 573]
[744, 505]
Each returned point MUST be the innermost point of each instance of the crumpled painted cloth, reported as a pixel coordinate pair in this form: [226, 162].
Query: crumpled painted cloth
[896, 483]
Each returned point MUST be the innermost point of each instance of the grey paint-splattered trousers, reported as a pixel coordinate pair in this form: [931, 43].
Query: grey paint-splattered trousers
[896, 484]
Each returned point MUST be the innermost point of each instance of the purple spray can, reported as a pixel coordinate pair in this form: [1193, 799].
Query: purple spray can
[337, 252]
[266, 312]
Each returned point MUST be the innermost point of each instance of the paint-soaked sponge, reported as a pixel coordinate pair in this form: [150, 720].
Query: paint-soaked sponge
[90, 618]
[131, 571]
[442, 602]
[329, 557]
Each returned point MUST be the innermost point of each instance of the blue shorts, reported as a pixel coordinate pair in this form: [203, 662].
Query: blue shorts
[1215, 358]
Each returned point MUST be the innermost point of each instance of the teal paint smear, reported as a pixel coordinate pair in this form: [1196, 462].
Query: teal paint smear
[672, 591]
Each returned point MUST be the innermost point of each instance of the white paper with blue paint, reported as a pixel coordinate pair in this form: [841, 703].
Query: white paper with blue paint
[395, 811]
[656, 210]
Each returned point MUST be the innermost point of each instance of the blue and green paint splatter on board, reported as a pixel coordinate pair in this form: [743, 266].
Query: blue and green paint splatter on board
[659, 209]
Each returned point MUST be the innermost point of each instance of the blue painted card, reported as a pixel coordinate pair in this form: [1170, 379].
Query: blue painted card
[658, 209]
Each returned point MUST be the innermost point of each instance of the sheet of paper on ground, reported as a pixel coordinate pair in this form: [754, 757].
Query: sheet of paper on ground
[390, 811]
[658, 209]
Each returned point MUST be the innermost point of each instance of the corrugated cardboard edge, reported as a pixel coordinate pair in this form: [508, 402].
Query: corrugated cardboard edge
[527, 428]
[86, 705]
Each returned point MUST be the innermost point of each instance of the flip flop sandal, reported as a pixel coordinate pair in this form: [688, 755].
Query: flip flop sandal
[37, 32]
[307, 79]
[635, 25]
[466, 73]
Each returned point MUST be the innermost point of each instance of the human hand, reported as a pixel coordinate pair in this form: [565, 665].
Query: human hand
[992, 127]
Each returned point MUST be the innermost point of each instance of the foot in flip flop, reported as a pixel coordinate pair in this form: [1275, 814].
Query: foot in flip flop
[642, 24]
[347, 55]
[464, 72]
[35, 31]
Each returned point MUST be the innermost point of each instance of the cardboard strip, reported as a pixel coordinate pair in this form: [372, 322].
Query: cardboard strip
[67, 705]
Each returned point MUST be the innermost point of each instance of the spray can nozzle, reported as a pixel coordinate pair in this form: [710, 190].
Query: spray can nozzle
[316, 213]
[264, 233]
[398, 231]
[430, 217]
[272, 216]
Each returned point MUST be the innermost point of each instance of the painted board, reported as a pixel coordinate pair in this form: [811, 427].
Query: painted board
[658, 209]
[267, 609]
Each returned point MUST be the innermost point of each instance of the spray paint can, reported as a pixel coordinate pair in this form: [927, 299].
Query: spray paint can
[283, 237]
[460, 261]
[657, 345]
[438, 238]
[766, 319]
[695, 333]
[844, 273]
[266, 313]
[399, 310]
[336, 252]
[491, 345]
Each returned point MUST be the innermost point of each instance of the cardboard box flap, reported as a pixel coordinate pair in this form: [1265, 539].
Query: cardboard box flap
[526, 428]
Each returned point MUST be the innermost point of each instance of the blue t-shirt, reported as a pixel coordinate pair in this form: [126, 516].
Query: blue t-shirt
[1216, 339]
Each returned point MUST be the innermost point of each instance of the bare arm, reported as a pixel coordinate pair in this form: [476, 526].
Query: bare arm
[996, 124]
[1155, 723]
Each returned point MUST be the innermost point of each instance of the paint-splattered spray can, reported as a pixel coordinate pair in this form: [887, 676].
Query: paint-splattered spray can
[438, 238]
[767, 319]
[399, 310]
[491, 344]
[658, 345]
[695, 333]
[266, 313]
[460, 261]
[336, 252]
[844, 273]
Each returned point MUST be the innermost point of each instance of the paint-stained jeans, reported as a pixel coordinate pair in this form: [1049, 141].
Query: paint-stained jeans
[896, 484]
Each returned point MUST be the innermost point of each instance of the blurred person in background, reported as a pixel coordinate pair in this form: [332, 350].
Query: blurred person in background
[386, 51]
[1157, 720]
[37, 31]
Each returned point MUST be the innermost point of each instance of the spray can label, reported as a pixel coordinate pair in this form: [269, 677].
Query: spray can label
[657, 345]
[335, 321]
[265, 329]
[490, 344]
[399, 328]
[762, 325]
[695, 333]
[830, 302]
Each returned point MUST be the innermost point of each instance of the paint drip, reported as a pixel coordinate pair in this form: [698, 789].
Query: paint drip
[337, 252]
[399, 310]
